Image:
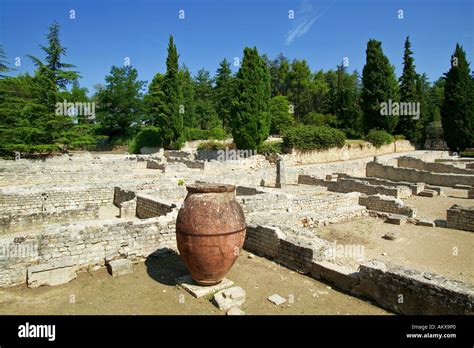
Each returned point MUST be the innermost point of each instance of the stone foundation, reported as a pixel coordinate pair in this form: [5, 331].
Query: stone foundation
[460, 218]
[386, 204]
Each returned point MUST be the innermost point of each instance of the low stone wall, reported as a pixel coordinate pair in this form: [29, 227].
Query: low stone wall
[399, 289]
[347, 152]
[386, 204]
[149, 207]
[122, 195]
[20, 200]
[414, 175]
[22, 222]
[415, 163]
[408, 291]
[470, 194]
[460, 218]
[83, 244]
[414, 187]
[346, 185]
[153, 164]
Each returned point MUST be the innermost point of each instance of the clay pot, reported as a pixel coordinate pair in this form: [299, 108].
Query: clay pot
[210, 231]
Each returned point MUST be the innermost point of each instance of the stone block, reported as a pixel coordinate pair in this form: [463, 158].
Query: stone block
[395, 219]
[120, 267]
[196, 290]
[52, 274]
[228, 298]
[276, 299]
[425, 222]
[341, 276]
[235, 311]
[427, 193]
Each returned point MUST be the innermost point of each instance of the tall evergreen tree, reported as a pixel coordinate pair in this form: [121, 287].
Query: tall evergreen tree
[53, 67]
[171, 119]
[205, 112]
[300, 88]
[224, 92]
[457, 111]
[189, 103]
[410, 90]
[120, 104]
[249, 113]
[153, 100]
[379, 85]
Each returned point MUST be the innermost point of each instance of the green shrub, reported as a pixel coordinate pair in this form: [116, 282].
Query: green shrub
[148, 136]
[399, 137]
[270, 148]
[467, 154]
[217, 133]
[313, 138]
[197, 134]
[211, 145]
[378, 138]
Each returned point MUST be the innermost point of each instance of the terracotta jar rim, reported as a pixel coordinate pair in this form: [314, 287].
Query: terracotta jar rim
[210, 188]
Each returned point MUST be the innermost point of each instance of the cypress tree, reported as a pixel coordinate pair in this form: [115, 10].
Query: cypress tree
[188, 88]
[457, 110]
[224, 92]
[170, 119]
[250, 117]
[379, 85]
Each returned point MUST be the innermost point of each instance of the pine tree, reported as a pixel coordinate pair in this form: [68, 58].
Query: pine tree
[153, 100]
[379, 85]
[249, 113]
[188, 88]
[171, 119]
[204, 94]
[120, 104]
[53, 67]
[457, 111]
[224, 92]
[3, 63]
[410, 90]
[300, 88]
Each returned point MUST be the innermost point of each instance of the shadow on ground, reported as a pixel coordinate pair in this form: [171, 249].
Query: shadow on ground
[165, 266]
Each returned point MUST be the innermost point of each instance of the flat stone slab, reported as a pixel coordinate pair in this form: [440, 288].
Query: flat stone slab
[188, 284]
[276, 299]
[395, 219]
[425, 222]
[52, 274]
[120, 267]
[228, 298]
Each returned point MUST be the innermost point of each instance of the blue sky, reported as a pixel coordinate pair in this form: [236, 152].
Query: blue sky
[323, 32]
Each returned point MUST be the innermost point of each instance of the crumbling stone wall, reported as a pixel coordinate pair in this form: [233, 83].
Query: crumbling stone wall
[262, 240]
[409, 291]
[414, 175]
[19, 200]
[386, 204]
[83, 244]
[347, 184]
[149, 207]
[23, 222]
[460, 218]
[415, 163]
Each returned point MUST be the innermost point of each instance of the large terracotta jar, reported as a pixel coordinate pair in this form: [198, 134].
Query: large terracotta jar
[210, 231]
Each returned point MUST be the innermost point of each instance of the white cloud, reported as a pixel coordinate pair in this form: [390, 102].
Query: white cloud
[304, 19]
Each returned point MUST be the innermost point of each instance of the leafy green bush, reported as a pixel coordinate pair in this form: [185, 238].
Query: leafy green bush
[313, 138]
[197, 134]
[467, 154]
[378, 138]
[270, 148]
[399, 137]
[211, 145]
[148, 136]
[217, 133]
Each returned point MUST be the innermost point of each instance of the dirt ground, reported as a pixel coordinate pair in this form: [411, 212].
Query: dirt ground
[444, 251]
[152, 289]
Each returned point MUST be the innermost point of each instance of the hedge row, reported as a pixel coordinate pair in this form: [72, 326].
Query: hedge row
[313, 138]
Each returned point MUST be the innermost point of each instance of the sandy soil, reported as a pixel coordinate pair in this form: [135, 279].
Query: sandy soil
[444, 251]
[151, 289]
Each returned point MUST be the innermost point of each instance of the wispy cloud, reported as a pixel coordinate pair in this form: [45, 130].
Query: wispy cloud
[304, 19]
